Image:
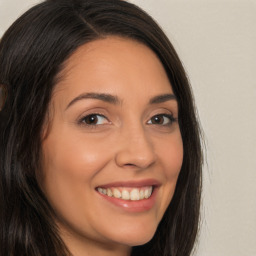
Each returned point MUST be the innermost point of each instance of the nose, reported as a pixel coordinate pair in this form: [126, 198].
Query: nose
[135, 149]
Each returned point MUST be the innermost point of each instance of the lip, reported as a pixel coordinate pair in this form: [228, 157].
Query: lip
[129, 205]
[139, 183]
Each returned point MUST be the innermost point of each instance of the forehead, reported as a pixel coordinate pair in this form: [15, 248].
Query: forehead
[114, 65]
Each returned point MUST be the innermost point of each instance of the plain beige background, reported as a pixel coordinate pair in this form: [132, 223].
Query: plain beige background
[216, 41]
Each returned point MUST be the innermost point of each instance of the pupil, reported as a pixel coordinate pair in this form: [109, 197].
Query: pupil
[91, 119]
[158, 119]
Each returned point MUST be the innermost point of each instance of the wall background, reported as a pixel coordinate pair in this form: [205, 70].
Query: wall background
[216, 40]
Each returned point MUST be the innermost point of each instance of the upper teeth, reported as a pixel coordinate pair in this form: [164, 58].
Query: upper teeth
[127, 193]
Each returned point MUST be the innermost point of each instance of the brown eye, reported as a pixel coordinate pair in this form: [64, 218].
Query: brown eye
[157, 120]
[94, 119]
[162, 119]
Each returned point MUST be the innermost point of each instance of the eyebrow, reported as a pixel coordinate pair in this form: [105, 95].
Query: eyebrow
[162, 98]
[116, 101]
[98, 96]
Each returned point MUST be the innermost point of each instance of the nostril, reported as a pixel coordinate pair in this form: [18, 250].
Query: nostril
[139, 155]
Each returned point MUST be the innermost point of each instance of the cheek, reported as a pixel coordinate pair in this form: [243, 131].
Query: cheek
[69, 168]
[73, 157]
[171, 155]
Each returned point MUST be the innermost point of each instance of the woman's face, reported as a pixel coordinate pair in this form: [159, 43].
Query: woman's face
[112, 148]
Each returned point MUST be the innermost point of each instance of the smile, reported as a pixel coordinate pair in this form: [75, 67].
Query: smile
[126, 193]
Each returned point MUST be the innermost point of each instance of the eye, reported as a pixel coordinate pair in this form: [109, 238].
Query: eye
[162, 119]
[94, 119]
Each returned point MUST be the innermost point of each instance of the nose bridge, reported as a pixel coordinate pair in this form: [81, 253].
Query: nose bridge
[135, 146]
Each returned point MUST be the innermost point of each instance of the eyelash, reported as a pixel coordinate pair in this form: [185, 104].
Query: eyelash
[82, 120]
[171, 118]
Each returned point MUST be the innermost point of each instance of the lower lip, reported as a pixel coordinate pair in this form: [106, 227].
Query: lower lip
[133, 206]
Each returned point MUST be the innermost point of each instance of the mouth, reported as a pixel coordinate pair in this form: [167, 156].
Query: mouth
[131, 196]
[127, 193]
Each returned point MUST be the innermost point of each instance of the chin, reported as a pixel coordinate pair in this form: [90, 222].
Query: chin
[141, 240]
[136, 237]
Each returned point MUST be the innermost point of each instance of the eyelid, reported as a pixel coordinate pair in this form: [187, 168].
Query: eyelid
[168, 115]
[81, 120]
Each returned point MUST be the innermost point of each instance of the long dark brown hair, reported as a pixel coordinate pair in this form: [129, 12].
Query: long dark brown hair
[32, 54]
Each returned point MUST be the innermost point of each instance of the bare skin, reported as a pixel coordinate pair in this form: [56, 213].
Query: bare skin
[113, 125]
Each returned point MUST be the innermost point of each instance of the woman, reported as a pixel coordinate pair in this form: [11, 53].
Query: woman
[100, 146]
